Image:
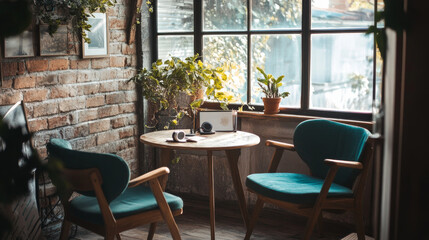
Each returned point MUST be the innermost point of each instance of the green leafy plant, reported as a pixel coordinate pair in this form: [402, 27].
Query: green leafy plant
[270, 85]
[56, 12]
[162, 84]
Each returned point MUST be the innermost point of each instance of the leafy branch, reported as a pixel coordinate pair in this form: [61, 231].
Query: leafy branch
[162, 84]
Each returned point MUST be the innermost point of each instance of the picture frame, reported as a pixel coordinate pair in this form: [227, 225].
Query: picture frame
[21, 45]
[99, 36]
[222, 121]
[55, 45]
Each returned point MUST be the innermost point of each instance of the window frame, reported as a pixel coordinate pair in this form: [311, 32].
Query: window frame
[306, 32]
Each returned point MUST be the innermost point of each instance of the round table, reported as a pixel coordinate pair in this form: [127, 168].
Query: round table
[230, 142]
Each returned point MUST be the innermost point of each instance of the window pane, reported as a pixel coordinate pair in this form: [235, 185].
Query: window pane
[341, 71]
[378, 76]
[342, 13]
[176, 46]
[229, 52]
[225, 15]
[276, 14]
[278, 55]
[175, 15]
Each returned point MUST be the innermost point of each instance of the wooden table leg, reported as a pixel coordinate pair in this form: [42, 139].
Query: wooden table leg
[211, 194]
[166, 155]
[233, 156]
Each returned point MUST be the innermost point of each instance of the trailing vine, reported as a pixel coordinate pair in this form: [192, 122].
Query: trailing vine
[56, 12]
[149, 5]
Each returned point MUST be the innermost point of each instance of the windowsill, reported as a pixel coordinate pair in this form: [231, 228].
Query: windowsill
[299, 118]
[289, 117]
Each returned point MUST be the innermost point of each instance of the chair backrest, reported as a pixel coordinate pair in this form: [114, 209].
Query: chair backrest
[317, 140]
[114, 170]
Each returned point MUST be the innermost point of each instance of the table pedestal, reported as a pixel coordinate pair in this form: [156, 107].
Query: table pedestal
[233, 156]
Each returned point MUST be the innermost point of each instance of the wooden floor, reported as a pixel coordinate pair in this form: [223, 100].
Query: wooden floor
[194, 224]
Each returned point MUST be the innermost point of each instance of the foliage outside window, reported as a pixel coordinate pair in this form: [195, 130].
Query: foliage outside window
[331, 66]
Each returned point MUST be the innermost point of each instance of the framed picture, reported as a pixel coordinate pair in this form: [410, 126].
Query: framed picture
[222, 121]
[54, 45]
[21, 45]
[99, 37]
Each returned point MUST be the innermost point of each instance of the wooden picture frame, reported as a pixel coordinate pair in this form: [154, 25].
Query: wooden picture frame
[99, 36]
[21, 45]
[55, 45]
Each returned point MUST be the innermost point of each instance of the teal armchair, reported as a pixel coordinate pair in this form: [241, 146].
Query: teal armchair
[338, 156]
[109, 202]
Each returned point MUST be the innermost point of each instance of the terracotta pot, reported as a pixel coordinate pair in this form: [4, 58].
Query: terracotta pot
[271, 105]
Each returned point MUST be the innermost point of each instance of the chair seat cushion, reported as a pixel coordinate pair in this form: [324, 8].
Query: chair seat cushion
[132, 201]
[292, 187]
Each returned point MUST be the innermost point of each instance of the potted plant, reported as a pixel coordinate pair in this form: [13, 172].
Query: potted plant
[167, 80]
[270, 87]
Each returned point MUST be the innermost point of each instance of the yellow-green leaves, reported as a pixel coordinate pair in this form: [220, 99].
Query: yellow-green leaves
[167, 79]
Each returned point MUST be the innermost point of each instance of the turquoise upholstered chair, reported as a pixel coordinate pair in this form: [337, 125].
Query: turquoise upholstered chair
[109, 202]
[338, 156]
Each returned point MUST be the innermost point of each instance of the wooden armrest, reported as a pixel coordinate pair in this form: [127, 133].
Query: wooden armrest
[344, 163]
[277, 144]
[149, 176]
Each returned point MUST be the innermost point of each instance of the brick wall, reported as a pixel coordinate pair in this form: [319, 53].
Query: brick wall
[86, 101]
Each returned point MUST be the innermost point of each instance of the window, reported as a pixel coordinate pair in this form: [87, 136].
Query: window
[330, 65]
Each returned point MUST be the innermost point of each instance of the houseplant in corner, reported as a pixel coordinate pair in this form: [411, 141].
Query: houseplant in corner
[270, 87]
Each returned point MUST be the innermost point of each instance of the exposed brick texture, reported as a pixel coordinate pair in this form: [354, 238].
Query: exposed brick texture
[13, 68]
[24, 82]
[86, 101]
[35, 95]
[37, 65]
[58, 64]
[100, 63]
[80, 64]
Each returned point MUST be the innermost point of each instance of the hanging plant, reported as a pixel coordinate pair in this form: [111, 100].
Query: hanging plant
[56, 12]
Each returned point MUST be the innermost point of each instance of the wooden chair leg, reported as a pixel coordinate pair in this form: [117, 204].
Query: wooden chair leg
[118, 236]
[65, 230]
[320, 224]
[109, 237]
[152, 229]
[255, 215]
[360, 227]
[311, 223]
[165, 209]
[110, 232]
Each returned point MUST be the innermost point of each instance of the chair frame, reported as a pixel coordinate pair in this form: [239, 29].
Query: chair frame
[313, 212]
[91, 180]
